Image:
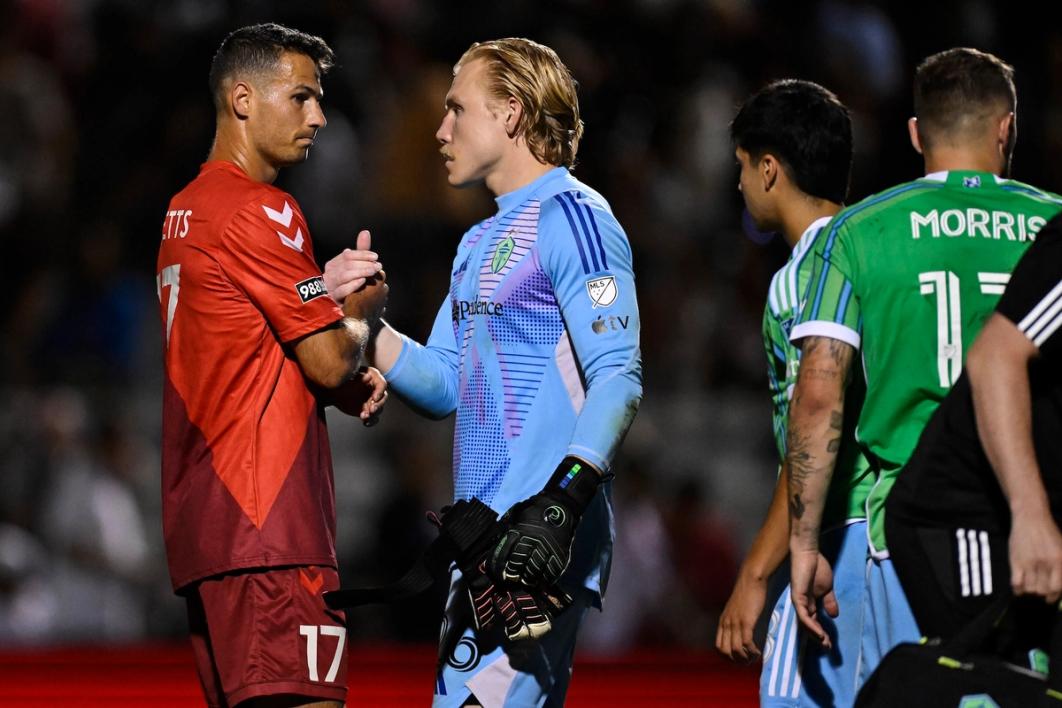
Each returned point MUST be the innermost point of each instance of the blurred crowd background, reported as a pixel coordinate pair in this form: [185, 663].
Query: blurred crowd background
[104, 114]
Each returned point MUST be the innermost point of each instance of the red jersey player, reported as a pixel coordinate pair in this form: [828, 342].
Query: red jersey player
[254, 343]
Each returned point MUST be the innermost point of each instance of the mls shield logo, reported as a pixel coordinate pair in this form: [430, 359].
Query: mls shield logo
[971, 182]
[602, 291]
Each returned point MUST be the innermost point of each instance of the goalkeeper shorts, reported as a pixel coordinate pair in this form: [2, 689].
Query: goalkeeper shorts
[499, 672]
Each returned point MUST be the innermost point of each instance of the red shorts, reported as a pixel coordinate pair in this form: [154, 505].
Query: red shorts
[268, 632]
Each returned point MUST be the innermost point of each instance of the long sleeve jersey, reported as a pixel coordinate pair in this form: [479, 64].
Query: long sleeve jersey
[536, 349]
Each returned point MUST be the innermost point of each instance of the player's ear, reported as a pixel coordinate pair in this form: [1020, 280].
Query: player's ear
[768, 170]
[513, 112]
[240, 99]
[1004, 137]
[912, 131]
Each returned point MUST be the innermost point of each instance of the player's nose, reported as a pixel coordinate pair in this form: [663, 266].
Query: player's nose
[317, 118]
[443, 134]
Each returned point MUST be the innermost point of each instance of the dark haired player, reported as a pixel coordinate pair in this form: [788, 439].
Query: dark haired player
[793, 141]
[254, 347]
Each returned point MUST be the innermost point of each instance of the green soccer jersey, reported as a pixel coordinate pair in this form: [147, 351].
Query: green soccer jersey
[908, 277]
[852, 480]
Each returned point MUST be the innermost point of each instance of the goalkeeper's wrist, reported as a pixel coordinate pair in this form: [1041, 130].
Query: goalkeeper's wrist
[575, 482]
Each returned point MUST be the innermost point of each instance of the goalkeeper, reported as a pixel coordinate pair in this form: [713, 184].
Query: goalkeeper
[536, 349]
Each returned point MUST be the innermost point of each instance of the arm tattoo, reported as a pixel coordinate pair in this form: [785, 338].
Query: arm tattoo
[800, 468]
[837, 424]
[813, 441]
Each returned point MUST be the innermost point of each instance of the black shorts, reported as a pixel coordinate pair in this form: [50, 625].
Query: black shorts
[951, 575]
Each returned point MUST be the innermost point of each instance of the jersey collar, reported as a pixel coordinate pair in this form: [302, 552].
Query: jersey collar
[809, 234]
[508, 202]
[957, 176]
[226, 165]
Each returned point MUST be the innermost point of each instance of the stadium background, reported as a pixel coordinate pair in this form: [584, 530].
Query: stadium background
[104, 114]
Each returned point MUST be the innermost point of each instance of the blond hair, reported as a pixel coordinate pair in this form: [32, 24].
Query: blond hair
[535, 76]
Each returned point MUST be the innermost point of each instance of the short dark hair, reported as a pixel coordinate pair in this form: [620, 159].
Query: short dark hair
[807, 128]
[257, 48]
[957, 89]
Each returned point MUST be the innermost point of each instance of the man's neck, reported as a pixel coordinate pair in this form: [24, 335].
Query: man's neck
[235, 150]
[948, 159]
[520, 171]
[801, 214]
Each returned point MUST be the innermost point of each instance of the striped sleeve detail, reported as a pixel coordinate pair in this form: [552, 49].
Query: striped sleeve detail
[587, 226]
[1032, 192]
[597, 233]
[576, 234]
[1045, 318]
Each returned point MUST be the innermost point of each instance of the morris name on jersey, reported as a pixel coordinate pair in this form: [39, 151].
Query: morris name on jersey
[976, 223]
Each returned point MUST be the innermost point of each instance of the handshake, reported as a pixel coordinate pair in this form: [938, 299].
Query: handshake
[510, 566]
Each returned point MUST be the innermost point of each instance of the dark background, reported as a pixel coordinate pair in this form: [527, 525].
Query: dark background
[104, 114]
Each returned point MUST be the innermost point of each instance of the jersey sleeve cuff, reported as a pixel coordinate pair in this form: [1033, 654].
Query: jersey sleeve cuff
[326, 318]
[392, 374]
[590, 455]
[825, 329]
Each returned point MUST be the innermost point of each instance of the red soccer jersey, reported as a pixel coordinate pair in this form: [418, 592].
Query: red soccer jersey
[246, 467]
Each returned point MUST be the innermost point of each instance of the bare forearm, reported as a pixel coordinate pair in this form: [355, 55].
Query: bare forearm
[385, 347]
[331, 356]
[999, 382]
[771, 544]
[816, 418]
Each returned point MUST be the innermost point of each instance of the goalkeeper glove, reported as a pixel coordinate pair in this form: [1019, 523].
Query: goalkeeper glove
[537, 547]
[525, 614]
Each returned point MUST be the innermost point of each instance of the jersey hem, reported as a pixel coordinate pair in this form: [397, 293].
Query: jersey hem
[250, 563]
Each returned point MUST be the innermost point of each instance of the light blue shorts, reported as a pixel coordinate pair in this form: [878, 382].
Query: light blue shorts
[797, 672]
[887, 618]
[503, 673]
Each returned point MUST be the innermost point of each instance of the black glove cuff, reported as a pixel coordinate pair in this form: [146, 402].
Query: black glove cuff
[575, 480]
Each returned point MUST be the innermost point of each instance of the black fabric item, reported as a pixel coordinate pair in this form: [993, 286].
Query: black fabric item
[467, 530]
[957, 673]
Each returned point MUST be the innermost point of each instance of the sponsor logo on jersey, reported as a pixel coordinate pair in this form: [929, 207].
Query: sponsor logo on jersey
[310, 288]
[602, 291]
[464, 656]
[502, 253]
[997, 225]
[612, 323]
[463, 309]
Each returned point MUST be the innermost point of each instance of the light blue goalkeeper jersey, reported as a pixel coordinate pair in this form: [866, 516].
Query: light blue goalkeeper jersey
[536, 349]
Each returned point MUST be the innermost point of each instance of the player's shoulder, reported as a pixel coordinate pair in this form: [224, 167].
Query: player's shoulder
[223, 190]
[883, 203]
[1013, 186]
[574, 216]
[869, 213]
[565, 198]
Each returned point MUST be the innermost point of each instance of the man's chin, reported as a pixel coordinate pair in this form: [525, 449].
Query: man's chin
[294, 158]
